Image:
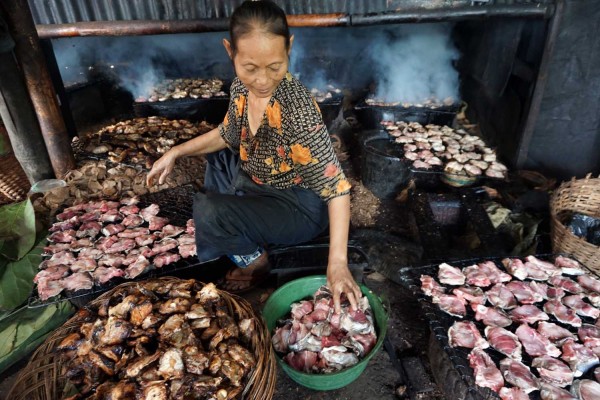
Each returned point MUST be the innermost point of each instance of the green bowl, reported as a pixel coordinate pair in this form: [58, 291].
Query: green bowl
[278, 307]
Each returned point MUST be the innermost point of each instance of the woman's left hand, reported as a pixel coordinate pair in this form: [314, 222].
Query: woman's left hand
[340, 280]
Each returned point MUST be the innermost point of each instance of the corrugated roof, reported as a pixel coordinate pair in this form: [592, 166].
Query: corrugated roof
[71, 11]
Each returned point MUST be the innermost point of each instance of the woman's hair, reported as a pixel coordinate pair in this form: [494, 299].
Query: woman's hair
[263, 15]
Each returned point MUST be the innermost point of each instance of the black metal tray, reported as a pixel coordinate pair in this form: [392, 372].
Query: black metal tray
[211, 110]
[370, 116]
[439, 322]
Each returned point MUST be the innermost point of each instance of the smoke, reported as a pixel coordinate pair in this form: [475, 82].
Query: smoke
[139, 63]
[414, 63]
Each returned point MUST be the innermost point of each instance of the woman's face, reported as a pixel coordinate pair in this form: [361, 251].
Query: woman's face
[261, 61]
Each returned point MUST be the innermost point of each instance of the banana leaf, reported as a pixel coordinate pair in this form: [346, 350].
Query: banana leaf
[17, 229]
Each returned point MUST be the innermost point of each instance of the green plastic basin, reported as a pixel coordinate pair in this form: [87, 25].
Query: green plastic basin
[278, 306]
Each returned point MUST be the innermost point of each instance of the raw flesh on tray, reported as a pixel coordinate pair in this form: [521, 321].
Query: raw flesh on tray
[580, 307]
[491, 316]
[528, 314]
[589, 283]
[556, 334]
[565, 283]
[450, 304]
[466, 334]
[449, 275]
[472, 294]
[494, 273]
[546, 266]
[515, 267]
[500, 296]
[518, 374]
[586, 389]
[485, 370]
[568, 266]
[430, 287]
[476, 276]
[504, 341]
[579, 357]
[513, 393]
[562, 313]
[534, 343]
[551, 392]
[524, 293]
[553, 371]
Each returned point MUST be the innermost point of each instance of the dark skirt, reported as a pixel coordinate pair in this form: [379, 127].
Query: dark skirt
[236, 216]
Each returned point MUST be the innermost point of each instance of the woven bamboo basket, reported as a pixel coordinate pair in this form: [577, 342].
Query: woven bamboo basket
[42, 379]
[14, 184]
[575, 196]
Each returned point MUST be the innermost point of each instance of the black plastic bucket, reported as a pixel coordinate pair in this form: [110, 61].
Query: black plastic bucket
[383, 171]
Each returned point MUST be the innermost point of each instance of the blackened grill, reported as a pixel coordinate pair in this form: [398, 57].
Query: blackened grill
[370, 116]
[456, 358]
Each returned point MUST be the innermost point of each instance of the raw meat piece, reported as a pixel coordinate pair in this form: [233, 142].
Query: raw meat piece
[515, 267]
[586, 389]
[562, 313]
[308, 342]
[55, 248]
[550, 268]
[303, 361]
[534, 343]
[91, 253]
[84, 264]
[523, 292]
[121, 245]
[450, 275]
[71, 223]
[491, 316]
[553, 371]
[137, 268]
[589, 283]
[129, 210]
[494, 273]
[555, 293]
[53, 273]
[476, 277]
[90, 216]
[133, 233]
[472, 294]
[337, 357]
[190, 227]
[187, 250]
[553, 332]
[107, 206]
[420, 164]
[78, 281]
[186, 239]
[106, 242]
[568, 266]
[130, 201]
[466, 334]
[589, 335]
[171, 231]
[81, 244]
[536, 272]
[60, 258]
[513, 393]
[485, 370]
[528, 314]
[450, 304]
[150, 211]
[67, 236]
[111, 260]
[504, 341]
[111, 216]
[48, 288]
[519, 375]
[164, 245]
[430, 287]
[146, 240]
[157, 223]
[165, 259]
[565, 283]
[67, 214]
[539, 288]
[112, 229]
[89, 229]
[551, 392]
[581, 307]
[579, 357]
[132, 221]
[500, 296]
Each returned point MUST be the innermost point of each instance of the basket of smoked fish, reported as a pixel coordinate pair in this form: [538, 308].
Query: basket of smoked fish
[577, 196]
[163, 338]
[514, 328]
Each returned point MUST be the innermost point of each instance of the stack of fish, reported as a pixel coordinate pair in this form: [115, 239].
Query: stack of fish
[94, 242]
[539, 317]
[431, 103]
[325, 94]
[316, 339]
[181, 88]
[458, 152]
[160, 340]
[141, 141]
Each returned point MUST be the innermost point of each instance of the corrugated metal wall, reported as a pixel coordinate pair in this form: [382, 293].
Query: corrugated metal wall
[69, 11]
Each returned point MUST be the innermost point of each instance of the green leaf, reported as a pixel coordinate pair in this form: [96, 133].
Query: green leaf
[17, 229]
[16, 278]
[27, 328]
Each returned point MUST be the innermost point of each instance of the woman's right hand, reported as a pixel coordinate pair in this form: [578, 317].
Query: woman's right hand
[162, 168]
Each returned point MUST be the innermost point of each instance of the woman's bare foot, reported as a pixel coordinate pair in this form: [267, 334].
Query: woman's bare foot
[243, 279]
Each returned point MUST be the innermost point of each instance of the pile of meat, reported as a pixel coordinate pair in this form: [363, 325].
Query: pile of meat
[539, 318]
[431, 103]
[181, 88]
[315, 339]
[160, 340]
[459, 153]
[141, 141]
[325, 94]
[96, 180]
[94, 242]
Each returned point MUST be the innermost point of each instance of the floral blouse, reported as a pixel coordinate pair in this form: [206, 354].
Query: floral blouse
[291, 146]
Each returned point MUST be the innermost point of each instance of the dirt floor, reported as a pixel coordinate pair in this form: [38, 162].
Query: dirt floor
[385, 230]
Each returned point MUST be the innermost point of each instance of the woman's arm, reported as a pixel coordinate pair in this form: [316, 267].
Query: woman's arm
[203, 144]
[339, 278]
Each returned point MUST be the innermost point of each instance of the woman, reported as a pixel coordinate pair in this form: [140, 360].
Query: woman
[284, 183]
